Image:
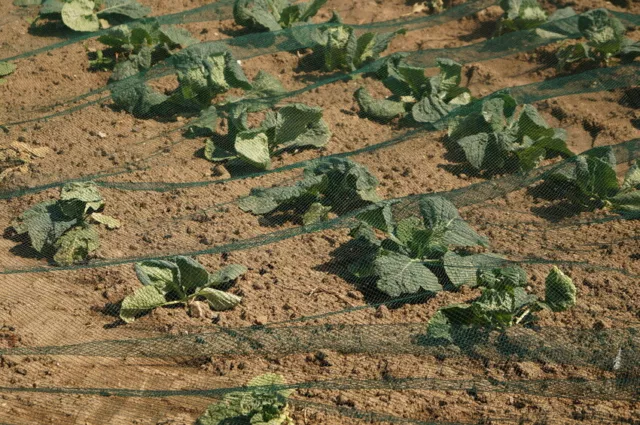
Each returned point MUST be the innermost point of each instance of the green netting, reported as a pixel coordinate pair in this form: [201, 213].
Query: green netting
[459, 247]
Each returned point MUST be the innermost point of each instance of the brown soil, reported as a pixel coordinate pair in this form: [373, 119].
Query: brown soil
[289, 282]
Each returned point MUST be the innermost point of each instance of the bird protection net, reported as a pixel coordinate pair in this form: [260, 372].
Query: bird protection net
[273, 212]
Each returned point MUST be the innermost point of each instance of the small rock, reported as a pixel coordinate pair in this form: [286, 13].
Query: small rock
[218, 171]
[21, 371]
[355, 295]
[257, 286]
[197, 309]
[102, 134]
[382, 312]
[261, 320]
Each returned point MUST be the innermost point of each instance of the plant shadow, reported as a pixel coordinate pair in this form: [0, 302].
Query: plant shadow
[560, 207]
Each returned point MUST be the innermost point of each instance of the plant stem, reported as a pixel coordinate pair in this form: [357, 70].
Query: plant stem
[526, 312]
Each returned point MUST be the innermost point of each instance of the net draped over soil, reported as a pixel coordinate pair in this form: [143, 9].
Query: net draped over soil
[350, 353]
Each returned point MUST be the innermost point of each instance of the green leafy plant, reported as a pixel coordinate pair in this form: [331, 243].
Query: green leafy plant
[293, 126]
[416, 254]
[589, 180]
[427, 99]
[520, 15]
[504, 302]
[138, 46]
[332, 184]
[274, 15]
[259, 404]
[89, 15]
[179, 280]
[605, 40]
[63, 229]
[203, 73]
[494, 138]
[338, 47]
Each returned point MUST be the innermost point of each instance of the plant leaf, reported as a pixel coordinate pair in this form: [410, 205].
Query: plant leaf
[253, 147]
[628, 202]
[79, 15]
[560, 292]
[80, 198]
[258, 15]
[265, 84]
[205, 124]
[142, 300]
[192, 274]
[299, 125]
[226, 275]
[75, 245]
[6, 68]
[129, 8]
[437, 211]
[219, 300]
[632, 178]
[399, 274]
[44, 223]
[378, 216]
[263, 201]
[109, 222]
[378, 109]
[316, 213]
[161, 274]
[137, 98]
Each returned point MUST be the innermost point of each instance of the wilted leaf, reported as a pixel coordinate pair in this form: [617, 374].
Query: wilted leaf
[378, 109]
[142, 300]
[560, 292]
[80, 198]
[75, 245]
[109, 222]
[44, 223]
[164, 275]
[219, 300]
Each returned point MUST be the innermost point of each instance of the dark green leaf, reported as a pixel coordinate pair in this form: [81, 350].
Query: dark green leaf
[378, 109]
[399, 274]
[45, 223]
[193, 275]
[378, 216]
[437, 211]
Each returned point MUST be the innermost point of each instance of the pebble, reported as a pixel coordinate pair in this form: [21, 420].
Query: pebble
[381, 312]
[197, 309]
[261, 320]
[102, 134]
